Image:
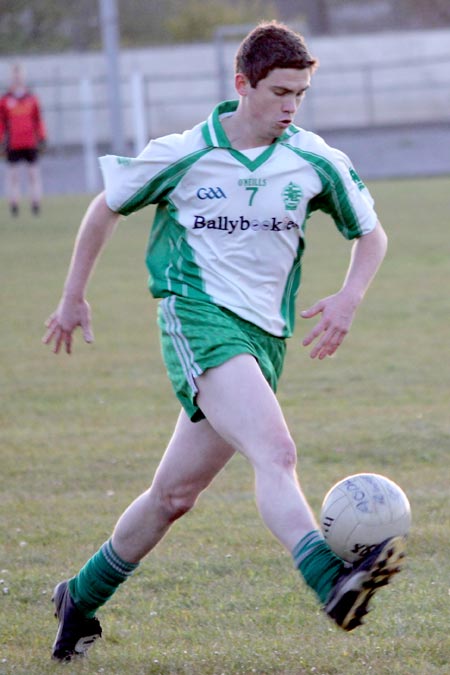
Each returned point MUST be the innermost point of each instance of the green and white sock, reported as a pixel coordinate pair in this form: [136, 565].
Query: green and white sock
[317, 563]
[98, 580]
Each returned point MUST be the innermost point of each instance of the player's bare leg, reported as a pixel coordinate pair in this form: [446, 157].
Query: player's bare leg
[35, 186]
[13, 187]
[194, 456]
[243, 409]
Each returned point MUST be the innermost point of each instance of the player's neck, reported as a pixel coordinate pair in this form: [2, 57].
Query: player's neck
[242, 134]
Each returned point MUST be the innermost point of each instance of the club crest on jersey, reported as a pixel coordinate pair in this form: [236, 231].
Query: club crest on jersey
[292, 195]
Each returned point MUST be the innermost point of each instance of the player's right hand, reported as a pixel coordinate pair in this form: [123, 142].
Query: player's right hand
[62, 323]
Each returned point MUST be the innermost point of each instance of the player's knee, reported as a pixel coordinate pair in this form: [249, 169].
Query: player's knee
[286, 457]
[282, 454]
[177, 502]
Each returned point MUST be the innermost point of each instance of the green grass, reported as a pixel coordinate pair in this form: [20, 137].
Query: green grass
[81, 436]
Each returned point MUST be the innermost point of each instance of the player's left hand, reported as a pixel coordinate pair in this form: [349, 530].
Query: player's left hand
[337, 312]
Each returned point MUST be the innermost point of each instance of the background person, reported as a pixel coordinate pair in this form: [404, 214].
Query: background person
[22, 136]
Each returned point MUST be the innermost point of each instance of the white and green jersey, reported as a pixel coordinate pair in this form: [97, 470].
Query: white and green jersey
[229, 225]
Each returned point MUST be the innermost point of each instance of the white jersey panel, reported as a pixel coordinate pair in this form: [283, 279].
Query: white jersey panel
[124, 177]
[244, 227]
[240, 214]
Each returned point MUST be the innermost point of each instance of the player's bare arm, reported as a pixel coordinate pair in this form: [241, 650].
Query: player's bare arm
[337, 311]
[73, 310]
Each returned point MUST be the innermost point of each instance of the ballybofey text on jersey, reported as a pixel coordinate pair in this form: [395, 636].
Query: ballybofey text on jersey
[242, 224]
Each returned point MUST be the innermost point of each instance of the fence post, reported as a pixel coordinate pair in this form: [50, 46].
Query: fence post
[370, 94]
[138, 113]
[109, 23]
[222, 90]
[58, 141]
[88, 135]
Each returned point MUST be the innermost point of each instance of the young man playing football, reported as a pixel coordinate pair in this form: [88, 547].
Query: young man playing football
[233, 195]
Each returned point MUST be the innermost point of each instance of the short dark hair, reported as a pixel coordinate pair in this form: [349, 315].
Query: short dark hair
[272, 45]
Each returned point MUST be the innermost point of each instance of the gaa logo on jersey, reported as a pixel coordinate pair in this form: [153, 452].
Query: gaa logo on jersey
[292, 195]
[211, 193]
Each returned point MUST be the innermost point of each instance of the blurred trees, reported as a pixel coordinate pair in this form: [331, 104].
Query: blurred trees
[49, 25]
[46, 25]
[197, 19]
[53, 25]
[418, 13]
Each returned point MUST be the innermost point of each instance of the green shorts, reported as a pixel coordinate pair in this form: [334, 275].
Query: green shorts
[198, 335]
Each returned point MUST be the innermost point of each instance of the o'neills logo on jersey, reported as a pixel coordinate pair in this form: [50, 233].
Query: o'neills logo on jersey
[241, 224]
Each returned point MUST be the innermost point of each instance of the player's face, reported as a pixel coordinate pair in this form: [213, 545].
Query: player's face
[273, 103]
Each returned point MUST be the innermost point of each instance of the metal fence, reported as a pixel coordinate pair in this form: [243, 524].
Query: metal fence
[343, 97]
[359, 96]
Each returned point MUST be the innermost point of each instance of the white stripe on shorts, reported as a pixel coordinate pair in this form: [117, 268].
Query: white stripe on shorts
[190, 367]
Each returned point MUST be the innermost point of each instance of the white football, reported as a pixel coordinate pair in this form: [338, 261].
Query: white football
[361, 511]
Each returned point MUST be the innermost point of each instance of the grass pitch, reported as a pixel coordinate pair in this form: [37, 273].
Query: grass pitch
[81, 436]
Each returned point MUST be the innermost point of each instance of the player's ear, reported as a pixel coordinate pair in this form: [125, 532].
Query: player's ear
[242, 84]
